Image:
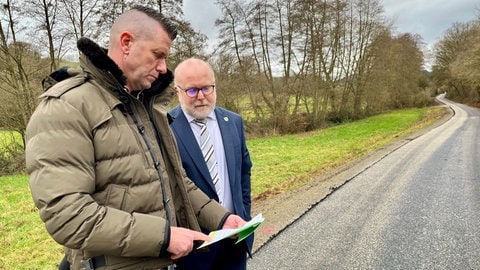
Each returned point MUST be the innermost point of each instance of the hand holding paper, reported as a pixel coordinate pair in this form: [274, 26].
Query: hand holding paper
[233, 222]
[242, 232]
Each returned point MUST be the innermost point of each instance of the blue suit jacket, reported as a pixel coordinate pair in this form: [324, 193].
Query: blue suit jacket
[236, 155]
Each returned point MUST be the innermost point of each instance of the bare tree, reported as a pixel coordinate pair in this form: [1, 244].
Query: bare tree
[44, 18]
[249, 32]
[450, 53]
[289, 46]
[81, 17]
[396, 73]
[466, 66]
[314, 53]
[324, 26]
[21, 68]
[187, 44]
[367, 24]
[237, 69]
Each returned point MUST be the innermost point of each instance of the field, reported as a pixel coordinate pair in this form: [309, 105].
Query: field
[24, 241]
[280, 164]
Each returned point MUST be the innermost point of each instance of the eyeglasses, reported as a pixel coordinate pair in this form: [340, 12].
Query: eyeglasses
[193, 91]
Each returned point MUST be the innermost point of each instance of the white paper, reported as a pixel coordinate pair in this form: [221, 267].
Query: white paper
[242, 232]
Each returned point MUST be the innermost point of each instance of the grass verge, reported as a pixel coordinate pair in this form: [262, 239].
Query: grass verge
[286, 162]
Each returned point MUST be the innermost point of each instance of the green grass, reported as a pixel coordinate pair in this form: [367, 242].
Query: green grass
[280, 163]
[24, 241]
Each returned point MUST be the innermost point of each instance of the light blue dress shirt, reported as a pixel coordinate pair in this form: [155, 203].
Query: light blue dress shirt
[216, 136]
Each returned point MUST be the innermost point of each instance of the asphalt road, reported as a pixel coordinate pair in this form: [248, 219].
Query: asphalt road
[417, 207]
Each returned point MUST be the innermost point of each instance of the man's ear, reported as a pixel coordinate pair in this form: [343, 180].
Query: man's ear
[126, 40]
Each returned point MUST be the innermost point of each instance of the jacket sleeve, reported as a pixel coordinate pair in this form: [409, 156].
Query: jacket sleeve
[210, 214]
[61, 165]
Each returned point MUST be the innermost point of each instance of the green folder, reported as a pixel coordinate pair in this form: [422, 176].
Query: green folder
[242, 232]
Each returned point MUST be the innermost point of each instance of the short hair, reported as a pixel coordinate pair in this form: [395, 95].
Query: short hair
[193, 62]
[166, 23]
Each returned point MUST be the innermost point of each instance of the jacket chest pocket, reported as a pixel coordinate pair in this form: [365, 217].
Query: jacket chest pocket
[115, 197]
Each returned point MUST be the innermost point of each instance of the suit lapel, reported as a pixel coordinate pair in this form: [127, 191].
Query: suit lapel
[224, 124]
[189, 143]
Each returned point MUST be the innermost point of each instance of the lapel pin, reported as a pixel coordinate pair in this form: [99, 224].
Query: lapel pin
[225, 118]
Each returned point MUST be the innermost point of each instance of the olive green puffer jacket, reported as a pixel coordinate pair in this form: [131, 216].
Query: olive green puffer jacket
[104, 168]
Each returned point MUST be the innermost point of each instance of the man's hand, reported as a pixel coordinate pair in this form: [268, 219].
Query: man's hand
[233, 222]
[181, 241]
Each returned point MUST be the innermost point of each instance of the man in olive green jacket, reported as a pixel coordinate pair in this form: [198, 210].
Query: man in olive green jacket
[104, 168]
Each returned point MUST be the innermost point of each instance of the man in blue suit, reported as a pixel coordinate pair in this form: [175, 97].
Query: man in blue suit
[221, 171]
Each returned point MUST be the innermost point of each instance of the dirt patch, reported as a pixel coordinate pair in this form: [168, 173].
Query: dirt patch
[282, 209]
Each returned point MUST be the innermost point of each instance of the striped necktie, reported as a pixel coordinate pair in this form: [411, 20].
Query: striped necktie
[206, 145]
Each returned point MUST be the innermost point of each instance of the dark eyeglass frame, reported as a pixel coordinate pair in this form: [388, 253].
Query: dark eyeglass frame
[193, 91]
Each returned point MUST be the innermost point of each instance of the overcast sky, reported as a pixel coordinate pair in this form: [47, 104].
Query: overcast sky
[428, 18]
